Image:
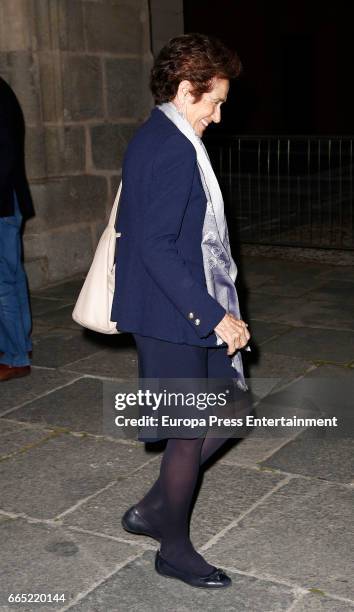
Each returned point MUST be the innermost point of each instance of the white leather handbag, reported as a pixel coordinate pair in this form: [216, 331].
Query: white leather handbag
[94, 304]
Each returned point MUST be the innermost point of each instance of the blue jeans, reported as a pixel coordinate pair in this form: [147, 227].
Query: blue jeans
[15, 315]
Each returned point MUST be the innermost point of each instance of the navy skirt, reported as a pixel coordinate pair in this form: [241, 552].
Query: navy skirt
[186, 373]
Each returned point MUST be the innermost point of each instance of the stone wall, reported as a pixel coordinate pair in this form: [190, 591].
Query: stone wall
[166, 22]
[80, 71]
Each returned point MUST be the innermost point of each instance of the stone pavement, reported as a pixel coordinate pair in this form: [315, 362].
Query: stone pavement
[275, 510]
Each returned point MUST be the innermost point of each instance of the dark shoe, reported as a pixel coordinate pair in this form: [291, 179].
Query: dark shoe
[133, 522]
[7, 372]
[217, 579]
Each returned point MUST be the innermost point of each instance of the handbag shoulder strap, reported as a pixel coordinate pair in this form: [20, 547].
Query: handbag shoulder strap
[113, 215]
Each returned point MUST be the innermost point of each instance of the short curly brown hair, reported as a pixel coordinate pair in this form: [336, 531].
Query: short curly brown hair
[195, 57]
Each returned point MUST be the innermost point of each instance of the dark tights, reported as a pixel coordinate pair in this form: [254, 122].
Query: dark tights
[167, 504]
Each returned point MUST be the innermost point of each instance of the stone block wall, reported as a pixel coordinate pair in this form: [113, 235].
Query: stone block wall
[80, 70]
[166, 22]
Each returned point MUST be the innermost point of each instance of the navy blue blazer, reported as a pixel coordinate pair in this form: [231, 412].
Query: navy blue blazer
[160, 282]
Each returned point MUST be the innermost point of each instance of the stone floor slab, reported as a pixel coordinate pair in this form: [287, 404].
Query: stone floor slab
[42, 306]
[60, 347]
[334, 289]
[280, 269]
[268, 308]
[330, 459]
[330, 315]
[149, 591]
[332, 371]
[60, 317]
[238, 487]
[262, 331]
[314, 344]
[64, 347]
[256, 278]
[63, 291]
[320, 603]
[103, 513]
[301, 533]
[53, 476]
[3, 519]
[19, 390]
[324, 391]
[48, 559]
[252, 450]
[284, 368]
[261, 442]
[77, 407]
[16, 437]
[290, 285]
[121, 363]
[302, 312]
[338, 273]
[39, 328]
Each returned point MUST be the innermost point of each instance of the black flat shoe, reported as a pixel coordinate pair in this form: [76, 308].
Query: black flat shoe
[217, 579]
[133, 522]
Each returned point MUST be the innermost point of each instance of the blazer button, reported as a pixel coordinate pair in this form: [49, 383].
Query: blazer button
[197, 321]
[191, 315]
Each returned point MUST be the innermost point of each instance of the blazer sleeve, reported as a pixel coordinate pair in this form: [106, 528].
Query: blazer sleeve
[172, 177]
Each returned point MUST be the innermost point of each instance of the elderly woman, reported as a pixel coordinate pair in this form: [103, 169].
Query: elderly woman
[175, 278]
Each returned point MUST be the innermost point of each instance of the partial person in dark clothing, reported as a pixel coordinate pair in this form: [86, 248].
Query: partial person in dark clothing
[15, 207]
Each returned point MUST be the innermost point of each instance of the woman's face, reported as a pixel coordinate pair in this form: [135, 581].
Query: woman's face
[207, 109]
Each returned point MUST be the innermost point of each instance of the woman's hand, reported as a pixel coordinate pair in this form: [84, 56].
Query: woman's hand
[234, 332]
